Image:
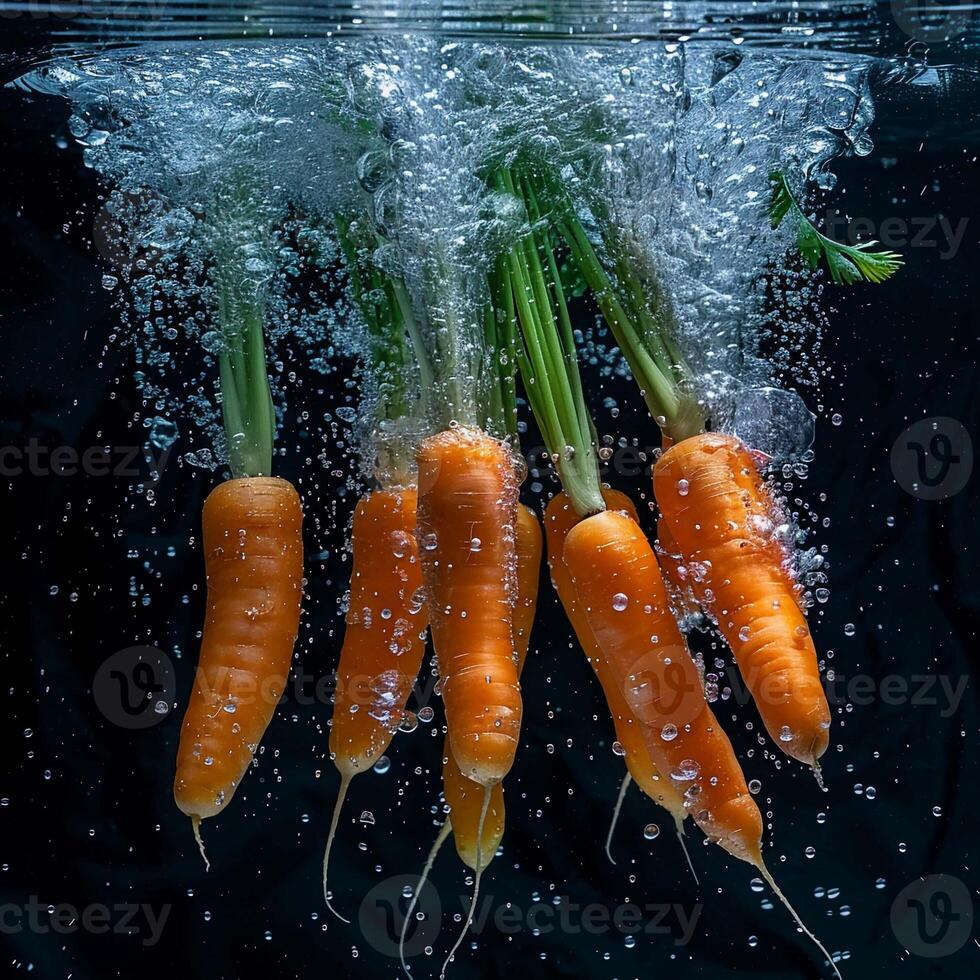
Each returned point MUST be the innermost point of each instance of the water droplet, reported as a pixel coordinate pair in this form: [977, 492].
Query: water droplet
[620, 601]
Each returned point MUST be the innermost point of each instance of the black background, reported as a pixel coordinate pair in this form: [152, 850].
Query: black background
[87, 814]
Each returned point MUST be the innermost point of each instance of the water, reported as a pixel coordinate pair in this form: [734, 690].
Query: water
[234, 138]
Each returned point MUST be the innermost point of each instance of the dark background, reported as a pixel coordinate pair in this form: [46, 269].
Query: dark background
[86, 811]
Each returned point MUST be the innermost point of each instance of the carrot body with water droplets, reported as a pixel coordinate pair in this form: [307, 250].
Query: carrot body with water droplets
[617, 580]
[384, 640]
[528, 546]
[253, 550]
[560, 518]
[465, 797]
[385, 629]
[466, 519]
[720, 513]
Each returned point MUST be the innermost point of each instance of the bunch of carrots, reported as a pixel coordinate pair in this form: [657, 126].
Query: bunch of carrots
[442, 545]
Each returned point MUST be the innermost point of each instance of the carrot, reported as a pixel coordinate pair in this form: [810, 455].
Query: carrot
[720, 513]
[385, 630]
[384, 640]
[477, 839]
[253, 550]
[616, 573]
[466, 516]
[676, 576]
[465, 801]
[617, 580]
[715, 507]
[560, 518]
[530, 287]
[462, 794]
[528, 546]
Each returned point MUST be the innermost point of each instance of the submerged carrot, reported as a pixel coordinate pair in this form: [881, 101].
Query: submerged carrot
[618, 582]
[467, 514]
[720, 513]
[383, 640]
[465, 797]
[477, 826]
[253, 549]
[385, 628]
[528, 546]
[612, 565]
[560, 518]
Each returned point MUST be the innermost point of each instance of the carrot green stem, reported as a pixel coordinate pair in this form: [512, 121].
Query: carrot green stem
[246, 399]
[646, 340]
[547, 358]
[495, 411]
[387, 348]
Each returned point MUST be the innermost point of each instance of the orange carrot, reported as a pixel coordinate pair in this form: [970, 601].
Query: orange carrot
[614, 568]
[384, 640]
[560, 518]
[466, 519]
[721, 515]
[675, 573]
[465, 800]
[618, 582]
[253, 549]
[384, 637]
[528, 546]
[478, 824]
[465, 797]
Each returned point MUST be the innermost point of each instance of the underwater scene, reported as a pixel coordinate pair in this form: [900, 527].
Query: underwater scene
[490, 487]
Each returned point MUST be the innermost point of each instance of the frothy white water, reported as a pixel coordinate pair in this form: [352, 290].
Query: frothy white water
[245, 155]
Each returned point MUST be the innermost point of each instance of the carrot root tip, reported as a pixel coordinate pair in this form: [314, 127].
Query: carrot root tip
[444, 831]
[334, 821]
[196, 826]
[764, 871]
[679, 824]
[818, 776]
[627, 779]
[476, 883]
